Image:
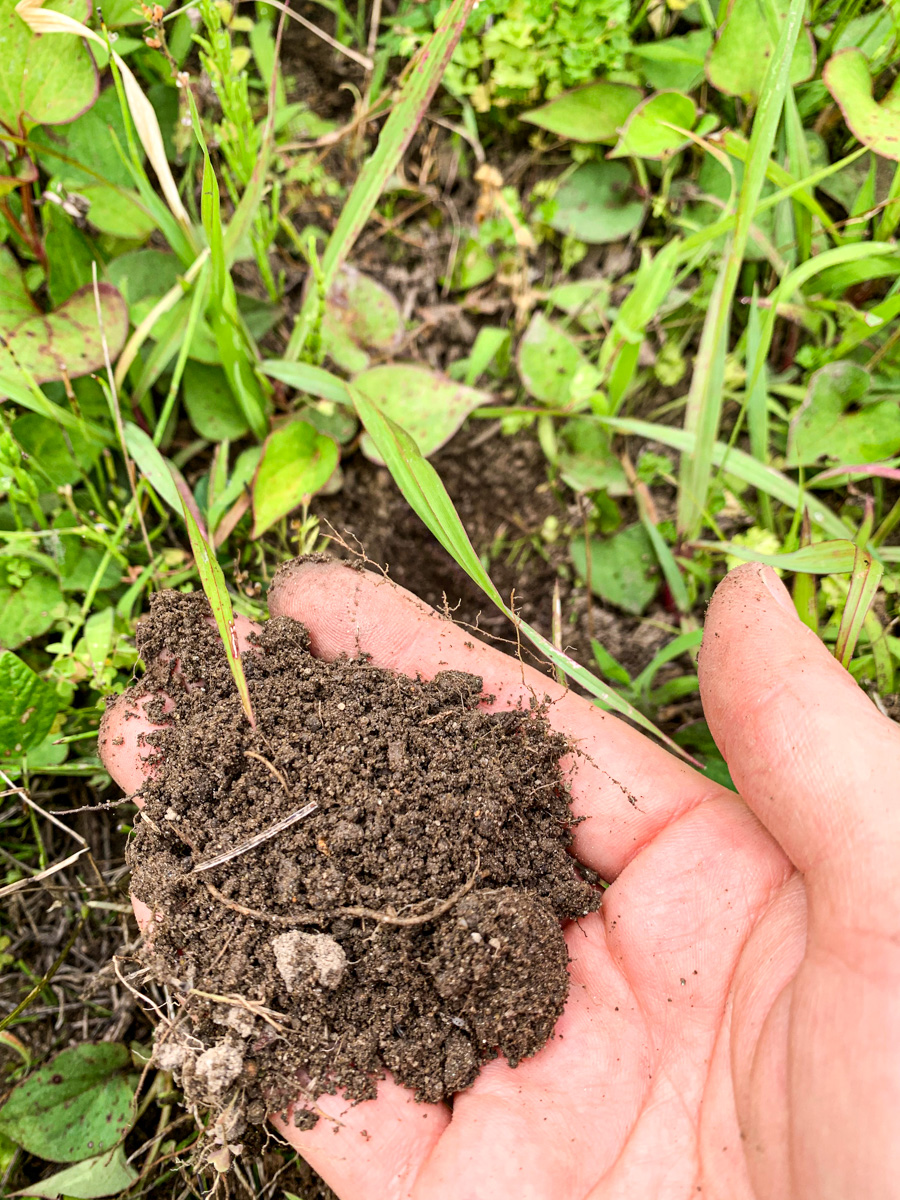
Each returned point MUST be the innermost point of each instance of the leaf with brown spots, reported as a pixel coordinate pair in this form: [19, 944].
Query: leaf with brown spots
[77, 1106]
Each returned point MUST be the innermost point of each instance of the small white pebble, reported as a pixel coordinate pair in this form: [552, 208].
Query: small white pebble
[341, 706]
[476, 937]
[496, 943]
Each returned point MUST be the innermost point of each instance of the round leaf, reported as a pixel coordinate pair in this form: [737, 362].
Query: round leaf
[105, 1175]
[876, 125]
[28, 611]
[68, 340]
[360, 315]
[822, 428]
[649, 131]
[28, 706]
[62, 458]
[46, 80]
[297, 461]
[738, 61]
[588, 114]
[597, 204]
[622, 568]
[552, 366]
[120, 214]
[77, 1106]
[210, 403]
[428, 405]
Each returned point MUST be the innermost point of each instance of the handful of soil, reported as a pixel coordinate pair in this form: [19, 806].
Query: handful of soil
[410, 921]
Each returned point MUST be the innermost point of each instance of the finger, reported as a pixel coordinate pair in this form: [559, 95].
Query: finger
[375, 1148]
[631, 787]
[808, 750]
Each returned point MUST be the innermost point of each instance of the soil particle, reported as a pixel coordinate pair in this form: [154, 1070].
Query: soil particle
[411, 922]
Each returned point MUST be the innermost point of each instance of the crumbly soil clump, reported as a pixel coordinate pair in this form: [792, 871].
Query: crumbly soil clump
[410, 922]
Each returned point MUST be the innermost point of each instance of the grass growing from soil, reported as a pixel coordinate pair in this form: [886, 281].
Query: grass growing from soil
[615, 304]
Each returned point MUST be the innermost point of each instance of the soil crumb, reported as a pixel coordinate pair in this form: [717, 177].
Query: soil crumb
[410, 922]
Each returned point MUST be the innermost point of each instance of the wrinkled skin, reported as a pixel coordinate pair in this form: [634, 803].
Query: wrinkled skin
[733, 1026]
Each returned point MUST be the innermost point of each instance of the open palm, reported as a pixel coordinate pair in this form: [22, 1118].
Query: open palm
[733, 1023]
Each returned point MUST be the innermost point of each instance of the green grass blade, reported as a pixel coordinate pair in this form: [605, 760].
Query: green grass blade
[315, 381]
[704, 404]
[425, 493]
[757, 401]
[422, 79]
[739, 463]
[620, 350]
[798, 278]
[864, 583]
[213, 581]
[824, 558]
[32, 398]
[234, 349]
[678, 646]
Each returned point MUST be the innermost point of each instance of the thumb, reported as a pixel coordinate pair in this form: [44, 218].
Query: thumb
[806, 748]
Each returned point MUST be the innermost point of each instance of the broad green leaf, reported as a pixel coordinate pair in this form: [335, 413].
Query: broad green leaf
[212, 580]
[143, 276]
[61, 456]
[69, 255]
[28, 707]
[552, 367]
[822, 428]
[598, 204]
[99, 630]
[16, 304]
[106, 1175]
[738, 61]
[675, 62]
[89, 148]
[118, 213]
[360, 315]
[210, 403]
[65, 341]
[594, 113]
[46, 80]
[473, 266]
[427, 497]
[78, 1105]
[875, 123]
[297, 461]
[587, 300]
[28, 611]
[648, 132]
[427, 404]
[586, 460]
[622, 568]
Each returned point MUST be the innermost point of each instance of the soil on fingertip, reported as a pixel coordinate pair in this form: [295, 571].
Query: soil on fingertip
[410, 922]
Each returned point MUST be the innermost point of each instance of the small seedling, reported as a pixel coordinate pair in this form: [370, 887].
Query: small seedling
[213, 581]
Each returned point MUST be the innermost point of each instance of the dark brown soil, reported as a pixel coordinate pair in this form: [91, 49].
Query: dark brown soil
[411, 922]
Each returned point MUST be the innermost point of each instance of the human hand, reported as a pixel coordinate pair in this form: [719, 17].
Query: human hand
[733, 1023]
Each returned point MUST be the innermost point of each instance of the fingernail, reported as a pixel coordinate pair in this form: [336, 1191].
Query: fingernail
[777, 590]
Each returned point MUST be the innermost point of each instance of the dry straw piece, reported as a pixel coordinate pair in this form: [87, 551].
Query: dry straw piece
[44, 20]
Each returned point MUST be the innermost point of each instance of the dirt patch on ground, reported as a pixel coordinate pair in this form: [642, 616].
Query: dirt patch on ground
[409, 922]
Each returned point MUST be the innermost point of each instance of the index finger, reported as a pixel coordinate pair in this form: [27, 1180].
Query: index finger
[630, 787]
